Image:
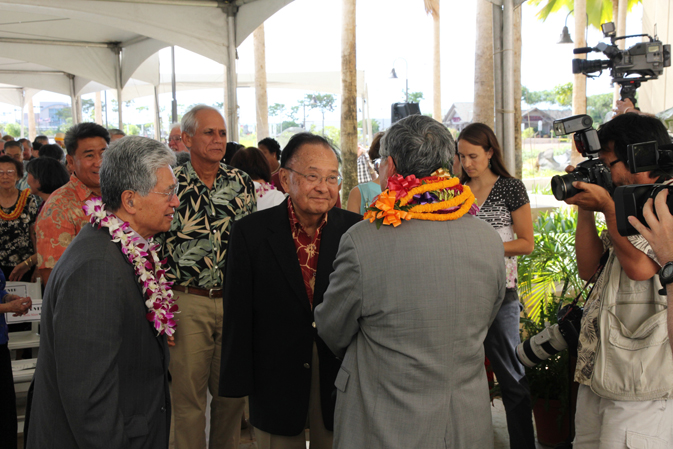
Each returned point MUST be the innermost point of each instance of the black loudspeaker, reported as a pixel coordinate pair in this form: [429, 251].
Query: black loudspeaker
[400, 110]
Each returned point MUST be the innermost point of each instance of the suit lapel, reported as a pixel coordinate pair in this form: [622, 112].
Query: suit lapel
[282, 246]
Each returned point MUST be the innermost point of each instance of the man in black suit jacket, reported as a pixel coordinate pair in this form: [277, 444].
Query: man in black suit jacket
[278, 266]
[101, 377]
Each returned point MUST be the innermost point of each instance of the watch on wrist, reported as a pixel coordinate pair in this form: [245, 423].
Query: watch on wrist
[666, 274]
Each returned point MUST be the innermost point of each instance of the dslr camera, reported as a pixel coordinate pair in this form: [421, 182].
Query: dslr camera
[592, 171]
[629, 200]
[553, 339]
[629, 68]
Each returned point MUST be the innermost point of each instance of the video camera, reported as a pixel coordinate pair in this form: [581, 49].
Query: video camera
[586, 140]
[629, 200]
[646, 60]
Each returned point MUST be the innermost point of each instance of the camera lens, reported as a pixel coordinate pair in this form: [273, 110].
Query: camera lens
[562, 186]
[541, 346]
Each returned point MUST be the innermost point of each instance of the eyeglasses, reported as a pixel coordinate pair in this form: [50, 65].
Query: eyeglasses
[8, 172]
[172, 191]
[175, 139]
[315, 179]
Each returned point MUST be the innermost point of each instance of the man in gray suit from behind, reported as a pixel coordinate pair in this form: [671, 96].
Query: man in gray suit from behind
[408, 309]
[101, 378]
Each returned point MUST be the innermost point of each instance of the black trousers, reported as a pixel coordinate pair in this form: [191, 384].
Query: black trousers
[8, 426]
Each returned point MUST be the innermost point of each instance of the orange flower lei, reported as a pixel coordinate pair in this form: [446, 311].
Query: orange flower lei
[18, 210]
[430, 199]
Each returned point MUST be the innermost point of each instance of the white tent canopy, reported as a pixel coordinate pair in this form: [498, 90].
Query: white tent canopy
[328, 82]
[106, 41]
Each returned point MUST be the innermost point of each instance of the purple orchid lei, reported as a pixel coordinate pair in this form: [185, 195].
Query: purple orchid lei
[146, 264]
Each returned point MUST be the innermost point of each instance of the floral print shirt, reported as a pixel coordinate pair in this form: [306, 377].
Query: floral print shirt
[60, 221]
[196, 243]
[308, 249]
[15, 243]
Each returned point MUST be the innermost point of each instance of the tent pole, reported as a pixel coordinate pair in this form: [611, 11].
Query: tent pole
[32, 131]
[157, 117]
[232, 80]
[73, 99]
[98, 114]
[508, 85]
[119, 86]
[23, 106]
[174, 100]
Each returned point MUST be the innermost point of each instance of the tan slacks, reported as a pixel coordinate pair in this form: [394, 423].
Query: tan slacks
[320, 437]
[195, 367]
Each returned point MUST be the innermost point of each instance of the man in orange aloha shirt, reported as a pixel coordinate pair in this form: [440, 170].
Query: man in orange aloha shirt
[62, 216]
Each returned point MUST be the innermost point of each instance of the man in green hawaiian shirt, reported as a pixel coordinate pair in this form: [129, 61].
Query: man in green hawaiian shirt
[212, 196]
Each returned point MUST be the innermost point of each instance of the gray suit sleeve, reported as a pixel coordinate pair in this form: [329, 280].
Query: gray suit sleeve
[88, 324]
[337, 317]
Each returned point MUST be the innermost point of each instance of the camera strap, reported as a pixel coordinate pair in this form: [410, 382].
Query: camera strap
[592, 280]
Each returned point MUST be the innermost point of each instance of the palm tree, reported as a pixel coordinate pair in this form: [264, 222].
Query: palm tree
[262, 104]
[598, 11]
[484, 95]
[432, 8]
[349, 110]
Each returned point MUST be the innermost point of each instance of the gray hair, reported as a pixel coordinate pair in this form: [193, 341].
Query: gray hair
[188, 124]
[173, 126]
[419, 145]
[131, 163]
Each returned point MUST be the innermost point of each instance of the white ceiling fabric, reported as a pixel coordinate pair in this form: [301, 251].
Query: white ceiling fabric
[82, 38]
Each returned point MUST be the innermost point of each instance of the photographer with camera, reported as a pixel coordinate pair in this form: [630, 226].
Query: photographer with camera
[659, 234]
[624, 375]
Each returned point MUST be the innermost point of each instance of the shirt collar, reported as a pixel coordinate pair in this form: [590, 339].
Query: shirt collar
[193, 177]
[294, 221]
[81, 190]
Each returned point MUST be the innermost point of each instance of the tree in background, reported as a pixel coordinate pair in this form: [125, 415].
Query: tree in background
[376, 126]
[13, 129]
[560, 95]
[599, 11]
[432, 8]
[88, 109]
[323, 102]
[415, 97]
[484, 94]
[598, 106]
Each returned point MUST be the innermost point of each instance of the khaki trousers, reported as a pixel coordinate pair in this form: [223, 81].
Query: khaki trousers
[320, 437]
[607, 424]
[195, 367]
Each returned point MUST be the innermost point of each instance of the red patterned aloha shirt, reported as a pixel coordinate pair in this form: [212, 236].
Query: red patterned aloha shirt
[308, 249]
[60, 220]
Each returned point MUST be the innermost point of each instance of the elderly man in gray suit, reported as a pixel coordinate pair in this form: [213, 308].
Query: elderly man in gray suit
[101, 378]
[409, 304]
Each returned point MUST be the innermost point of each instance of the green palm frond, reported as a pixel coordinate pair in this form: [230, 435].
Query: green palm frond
[598, 11]
[551, 268]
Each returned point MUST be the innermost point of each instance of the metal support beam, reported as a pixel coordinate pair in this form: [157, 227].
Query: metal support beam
[16, 40]
[508, 143]
[232, 109]
[157, 116]
[118, 80]
[174, 99]
[23, 105]
[73, 100]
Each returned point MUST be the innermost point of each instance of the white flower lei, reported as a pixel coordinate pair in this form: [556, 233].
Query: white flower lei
[156, 289]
